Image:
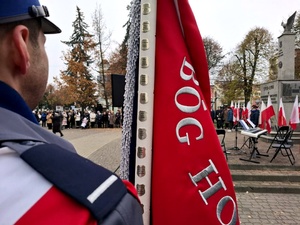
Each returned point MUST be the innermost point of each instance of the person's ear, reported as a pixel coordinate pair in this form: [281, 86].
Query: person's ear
[21, 52]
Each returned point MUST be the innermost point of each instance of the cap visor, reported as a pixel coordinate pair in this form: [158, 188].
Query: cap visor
[49, 28]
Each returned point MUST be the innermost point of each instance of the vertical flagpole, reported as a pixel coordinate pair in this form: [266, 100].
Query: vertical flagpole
[145, 104]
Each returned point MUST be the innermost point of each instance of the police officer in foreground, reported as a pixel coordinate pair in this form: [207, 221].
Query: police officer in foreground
[43, 180]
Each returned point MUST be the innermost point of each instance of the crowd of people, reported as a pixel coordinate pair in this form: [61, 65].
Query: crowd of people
[224, 116]
[68, 119]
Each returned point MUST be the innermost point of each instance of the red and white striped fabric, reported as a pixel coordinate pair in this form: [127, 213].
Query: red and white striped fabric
[281, 120]
[191, 182]
[261, 120]
[249, 109]
[294, 118]
[26, 196]
[232, 105]
[246, 111]
[235, 113]
[269, 112]
[270, 109]
[266, 115]
[238, 112]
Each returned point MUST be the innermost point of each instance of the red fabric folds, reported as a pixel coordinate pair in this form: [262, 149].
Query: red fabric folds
[191, 182]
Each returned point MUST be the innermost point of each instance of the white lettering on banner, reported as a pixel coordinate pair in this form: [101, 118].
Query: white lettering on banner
[186, 122]
[220, 208]
[189, 121]
[204, 106]
[184, 108]
[213, 187]
[188, 76]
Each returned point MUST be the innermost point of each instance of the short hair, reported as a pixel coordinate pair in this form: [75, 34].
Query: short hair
[33, 25]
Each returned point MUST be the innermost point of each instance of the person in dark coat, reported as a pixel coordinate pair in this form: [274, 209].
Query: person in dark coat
[230, 117]
[254, 115]
[56, 120]
[105, 119]
[220, 118]
[213, 115]
[99, 121]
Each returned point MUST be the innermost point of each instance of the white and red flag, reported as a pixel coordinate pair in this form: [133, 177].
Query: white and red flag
[270, 109]
[281, 119]
[261, 114]
[191, 182]
[294, 119]
[235, 113]
[246, 111]
[238, 112]
[266, 115]
[232, 106]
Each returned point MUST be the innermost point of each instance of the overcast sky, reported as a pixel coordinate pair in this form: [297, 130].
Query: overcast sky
[226, 21]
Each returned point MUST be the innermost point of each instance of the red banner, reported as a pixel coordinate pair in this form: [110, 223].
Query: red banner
[191, 182]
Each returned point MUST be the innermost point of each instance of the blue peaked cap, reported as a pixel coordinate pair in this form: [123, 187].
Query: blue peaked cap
[17, 10]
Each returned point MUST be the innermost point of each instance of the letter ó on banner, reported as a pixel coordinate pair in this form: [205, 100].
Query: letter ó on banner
[185, 108]
[186, 122]
[188, 76]
[220, 207]
[213, 187]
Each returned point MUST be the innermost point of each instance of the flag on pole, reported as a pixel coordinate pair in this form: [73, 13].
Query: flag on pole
[261, 115]
[281, 120]
[294, 119]
[244, 113]
[232, 105]
[238, 112]
[270, 109]
[247, 111]
[235, 113]
[266, 115]
[269, 113]
[191, 182]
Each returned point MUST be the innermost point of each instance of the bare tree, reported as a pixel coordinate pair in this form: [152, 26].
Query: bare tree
[214, 56]
[213, 52]
[103, 41]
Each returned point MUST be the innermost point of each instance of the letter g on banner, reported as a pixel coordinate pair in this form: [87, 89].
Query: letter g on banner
[186, 122]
